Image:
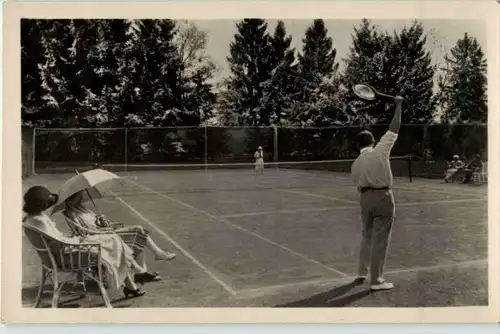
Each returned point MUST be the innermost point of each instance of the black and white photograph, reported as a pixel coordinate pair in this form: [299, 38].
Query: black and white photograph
[254, 162]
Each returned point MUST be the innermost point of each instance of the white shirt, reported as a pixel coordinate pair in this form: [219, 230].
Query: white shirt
[259, 155]
[372, 168]
[43, 223]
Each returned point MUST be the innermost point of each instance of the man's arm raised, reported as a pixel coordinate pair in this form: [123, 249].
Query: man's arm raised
[396, 119]
[387, 141]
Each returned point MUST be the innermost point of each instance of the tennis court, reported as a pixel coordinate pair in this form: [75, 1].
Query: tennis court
[290, 238]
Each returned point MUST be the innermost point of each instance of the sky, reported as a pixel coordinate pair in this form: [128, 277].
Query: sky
[443, 34]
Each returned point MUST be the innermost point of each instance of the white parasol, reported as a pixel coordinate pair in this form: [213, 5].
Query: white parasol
[87, 181]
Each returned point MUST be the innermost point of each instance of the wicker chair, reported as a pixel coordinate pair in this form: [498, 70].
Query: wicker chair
[480, 176]
[58, 257]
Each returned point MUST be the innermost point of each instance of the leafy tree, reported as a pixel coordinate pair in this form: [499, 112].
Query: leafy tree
[394, 64]
[462, 86]
[33, 111]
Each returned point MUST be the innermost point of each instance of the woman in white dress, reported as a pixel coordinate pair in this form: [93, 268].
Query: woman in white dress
[116, 255]
[136, 237]
[259, 160]
[453, 168]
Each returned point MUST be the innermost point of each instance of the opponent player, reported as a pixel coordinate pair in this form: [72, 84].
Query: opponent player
[259, 160]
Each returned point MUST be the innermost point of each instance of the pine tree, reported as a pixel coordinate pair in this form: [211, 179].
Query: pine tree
[463, 84]
[411, 75]
[250, 68]
[317, 83]
[366, 62]
[317, 59]
[279, 89]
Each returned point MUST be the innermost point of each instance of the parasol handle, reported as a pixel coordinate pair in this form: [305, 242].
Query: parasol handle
[88, 193]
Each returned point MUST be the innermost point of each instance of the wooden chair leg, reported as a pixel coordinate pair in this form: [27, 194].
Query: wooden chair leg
[40, 288]
[104, 295]
[55, 289]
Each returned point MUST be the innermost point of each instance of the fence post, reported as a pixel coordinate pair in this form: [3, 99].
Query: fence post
[425, 138]
[32, 172]
[126, 149]
[206, 147]
[275, 144]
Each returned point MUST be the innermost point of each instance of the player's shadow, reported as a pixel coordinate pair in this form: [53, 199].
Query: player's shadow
[330, 298]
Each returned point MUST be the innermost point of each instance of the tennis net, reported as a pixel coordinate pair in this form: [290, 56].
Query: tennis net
[401, 167]
[179, 178]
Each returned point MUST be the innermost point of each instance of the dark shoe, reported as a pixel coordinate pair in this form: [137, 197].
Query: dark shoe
[359, 280]
[147, 277]
[134, 293]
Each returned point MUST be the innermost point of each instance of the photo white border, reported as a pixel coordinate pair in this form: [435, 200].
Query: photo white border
[13, 312]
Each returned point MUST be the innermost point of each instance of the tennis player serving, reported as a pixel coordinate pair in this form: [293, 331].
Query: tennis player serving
[372, 174]
[259, 160]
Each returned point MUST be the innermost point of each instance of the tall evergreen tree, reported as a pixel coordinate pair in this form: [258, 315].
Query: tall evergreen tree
[250, 68]
[317, 59]
[463, 84]
[316, 81]
[159, 67]
[366, 62]
[279, 89]
[412, 75]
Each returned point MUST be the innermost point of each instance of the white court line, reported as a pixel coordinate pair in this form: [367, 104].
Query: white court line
[338, 208]
[300, 192]
[227, 222]
[428, 189]
[462, 200]
[183, 251]
[275, 288]
[413, 188]
[265, 213]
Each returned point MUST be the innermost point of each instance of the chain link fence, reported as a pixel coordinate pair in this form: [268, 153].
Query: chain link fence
[48, 150]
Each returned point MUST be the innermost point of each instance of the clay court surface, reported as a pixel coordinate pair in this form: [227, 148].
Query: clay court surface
[289, 238]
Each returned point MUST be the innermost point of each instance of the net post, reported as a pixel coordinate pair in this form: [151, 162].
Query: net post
[33, 141]
[206, 146]
[408, 158]
[126, 150]
[275, 145]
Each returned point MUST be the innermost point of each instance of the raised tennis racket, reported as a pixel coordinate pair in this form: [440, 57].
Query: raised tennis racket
[367, 92]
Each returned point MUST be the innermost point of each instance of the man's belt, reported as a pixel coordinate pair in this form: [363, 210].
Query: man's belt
[365, 189]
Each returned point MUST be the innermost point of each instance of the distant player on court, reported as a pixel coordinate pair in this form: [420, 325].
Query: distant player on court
[372, 175]
[259, 160]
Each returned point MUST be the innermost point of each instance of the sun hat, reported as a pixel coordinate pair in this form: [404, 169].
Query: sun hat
[259, 148]
[456, 157]
[38, 199]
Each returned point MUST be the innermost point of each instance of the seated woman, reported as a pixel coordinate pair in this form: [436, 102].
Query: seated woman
[133, 236]
[116, 255]
[453, 168]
